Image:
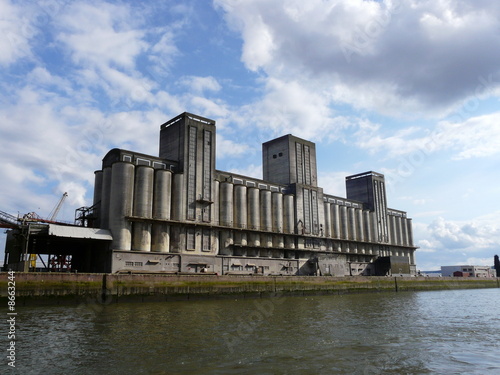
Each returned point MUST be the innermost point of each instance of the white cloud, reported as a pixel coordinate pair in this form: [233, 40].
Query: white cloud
[200, 84]
[289, 107]
[162, 54]
[84, 77]
[476, 137]
[105, 42]
[130, 87]
[55, 120]
[101, 34]
[471, 138]
[480, 261]
[228, 148]
[425, 246]
[448, 242]
[393, 57]
[428, 214]
[333, 183]
[250, 170]
[206, 107]
[42, 78]
[473, 236]
[17, 30]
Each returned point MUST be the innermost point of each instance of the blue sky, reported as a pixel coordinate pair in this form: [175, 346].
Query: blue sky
[406, 88]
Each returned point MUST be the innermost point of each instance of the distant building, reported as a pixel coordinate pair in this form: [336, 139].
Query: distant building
[467, 271]
[177, 213]
[430, 273]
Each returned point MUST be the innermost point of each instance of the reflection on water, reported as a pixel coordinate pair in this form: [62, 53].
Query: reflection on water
[440, 332]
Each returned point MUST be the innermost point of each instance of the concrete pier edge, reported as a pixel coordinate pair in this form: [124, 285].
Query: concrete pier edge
[102, 289]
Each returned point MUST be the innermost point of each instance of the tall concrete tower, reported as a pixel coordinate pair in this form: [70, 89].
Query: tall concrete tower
[190, 140]
[369, 188]
[290, 160]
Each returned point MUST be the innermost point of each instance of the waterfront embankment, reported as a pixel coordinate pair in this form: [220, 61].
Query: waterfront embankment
[63, 288]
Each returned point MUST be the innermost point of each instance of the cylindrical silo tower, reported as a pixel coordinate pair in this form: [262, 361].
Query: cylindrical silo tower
[142, 207]
[226, 204]
[289, 222]
[404, 225]
[178, 197]
[373, 222]
[351, 212]
[253, 208]
[410, 232]
[105, 197]
[120, 206]
[399, 231]
[240, 214]
[162, 198]
[360, 225]
[367, 226]
[328, 219]
[215, 205]
[97, 198]
[335, 221]
[240, 206]
[266, 210]
[392, 229]
[344, 223]
[277, 212]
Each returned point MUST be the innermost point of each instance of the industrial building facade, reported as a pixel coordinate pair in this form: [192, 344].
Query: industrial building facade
[178, 213]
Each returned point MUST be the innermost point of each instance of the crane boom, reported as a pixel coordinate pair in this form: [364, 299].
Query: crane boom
[55, 211]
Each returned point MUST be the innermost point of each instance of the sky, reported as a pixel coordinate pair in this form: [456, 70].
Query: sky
[406, 88]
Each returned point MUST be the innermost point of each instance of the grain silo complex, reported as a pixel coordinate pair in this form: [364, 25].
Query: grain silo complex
[177, 213]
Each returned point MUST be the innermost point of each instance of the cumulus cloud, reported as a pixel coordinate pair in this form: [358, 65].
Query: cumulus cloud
[391, 56]
[104, 42]
[207, 107]
[17, 30]
[474, 137]
[333, 183]
[426, 246]
[446, 242]
[162, 55]
[476, 235]
[200, 84]
[48, 150]
[229, 148]
[251, 170]
[287, 107]
[100, 34]
[480, 261]
[84, 77]
[59, 120]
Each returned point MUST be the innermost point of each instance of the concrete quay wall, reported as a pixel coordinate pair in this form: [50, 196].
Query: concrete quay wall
[63, 288]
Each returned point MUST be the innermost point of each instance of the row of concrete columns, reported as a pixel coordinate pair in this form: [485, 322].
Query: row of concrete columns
[354, 224]
[400, 230]
[125, 189]
[251, 208]
[128, 190]
[349, 223]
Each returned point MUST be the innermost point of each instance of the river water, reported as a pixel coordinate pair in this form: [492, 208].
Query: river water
[438, 332]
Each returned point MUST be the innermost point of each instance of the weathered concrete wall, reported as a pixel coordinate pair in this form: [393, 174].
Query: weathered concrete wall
[65, 287]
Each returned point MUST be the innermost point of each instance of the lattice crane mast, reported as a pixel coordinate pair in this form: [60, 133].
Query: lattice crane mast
[57, 208]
